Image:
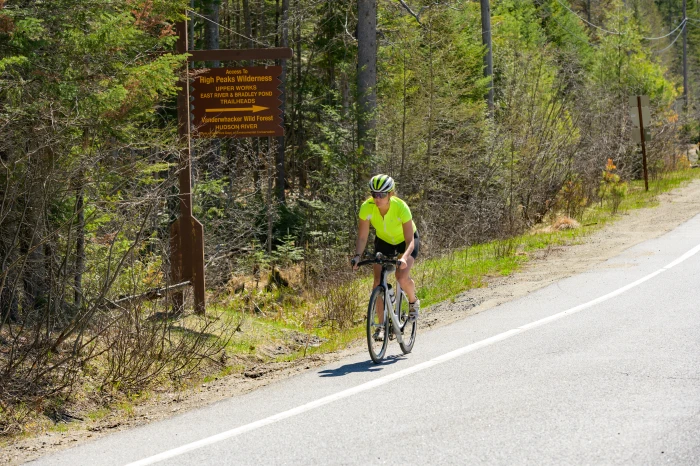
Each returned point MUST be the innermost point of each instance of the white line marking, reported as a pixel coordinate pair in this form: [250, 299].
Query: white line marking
[402, 373]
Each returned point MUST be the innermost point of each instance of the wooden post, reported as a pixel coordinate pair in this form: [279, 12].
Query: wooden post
[644, 150]
[186, 233]
[176, 274]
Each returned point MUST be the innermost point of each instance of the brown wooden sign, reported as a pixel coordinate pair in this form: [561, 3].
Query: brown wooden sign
[236, 102]
[187, 233]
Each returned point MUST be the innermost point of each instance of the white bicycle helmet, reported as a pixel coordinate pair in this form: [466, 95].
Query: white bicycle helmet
[381, 184]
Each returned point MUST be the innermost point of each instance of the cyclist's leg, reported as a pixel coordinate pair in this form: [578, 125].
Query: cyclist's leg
[403, 276]
[377, 275]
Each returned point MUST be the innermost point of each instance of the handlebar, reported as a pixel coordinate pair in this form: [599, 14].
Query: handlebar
[378, 259]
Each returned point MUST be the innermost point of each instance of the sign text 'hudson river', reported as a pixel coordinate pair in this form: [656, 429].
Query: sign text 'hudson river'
[237, 102]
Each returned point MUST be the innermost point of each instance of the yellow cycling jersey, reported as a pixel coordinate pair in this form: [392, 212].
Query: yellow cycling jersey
[389, 227]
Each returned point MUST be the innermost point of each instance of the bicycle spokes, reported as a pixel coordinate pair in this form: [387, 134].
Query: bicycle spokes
[377, 334]
[408, 327]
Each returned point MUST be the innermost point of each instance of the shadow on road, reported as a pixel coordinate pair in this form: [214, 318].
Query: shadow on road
[364, 366]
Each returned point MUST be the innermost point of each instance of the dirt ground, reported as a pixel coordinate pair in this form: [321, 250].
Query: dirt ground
[544, 268]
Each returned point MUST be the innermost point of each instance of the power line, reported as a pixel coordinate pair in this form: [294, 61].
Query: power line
[584, 40]
[674, 41]
[616, 32]
[682, 23]
[228, 29]
[661, 37]
[587, 22]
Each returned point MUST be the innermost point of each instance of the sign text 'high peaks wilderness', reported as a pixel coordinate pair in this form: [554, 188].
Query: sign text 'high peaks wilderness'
[237, 102]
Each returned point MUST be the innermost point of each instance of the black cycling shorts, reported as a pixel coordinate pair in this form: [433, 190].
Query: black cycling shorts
[391, 250]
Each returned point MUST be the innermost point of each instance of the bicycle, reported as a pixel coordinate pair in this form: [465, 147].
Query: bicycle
[382, 304]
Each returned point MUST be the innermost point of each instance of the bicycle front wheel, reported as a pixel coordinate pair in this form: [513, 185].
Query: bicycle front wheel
[377, 334]
[408, 328]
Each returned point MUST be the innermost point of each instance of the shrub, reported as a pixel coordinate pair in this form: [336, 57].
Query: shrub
[612, 188]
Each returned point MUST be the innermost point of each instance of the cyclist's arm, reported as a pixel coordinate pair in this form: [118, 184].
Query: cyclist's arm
[362, 235]
[408, 238]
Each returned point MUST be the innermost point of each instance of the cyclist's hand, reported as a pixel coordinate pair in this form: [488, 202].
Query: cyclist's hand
[402, 263]
[354, 261]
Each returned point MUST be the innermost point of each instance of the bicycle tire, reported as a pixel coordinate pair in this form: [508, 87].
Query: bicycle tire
[408, 328]
[372, 326]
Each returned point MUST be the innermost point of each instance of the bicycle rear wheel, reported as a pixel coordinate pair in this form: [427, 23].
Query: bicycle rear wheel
[408, 328]
[376, 324]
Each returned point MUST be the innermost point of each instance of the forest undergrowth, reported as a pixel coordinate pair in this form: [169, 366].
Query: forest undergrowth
[276, 318]
[282, 323]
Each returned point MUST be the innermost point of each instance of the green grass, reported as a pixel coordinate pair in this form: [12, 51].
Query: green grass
[98, 414]
[437, 279]
[227, 370]
[60, 427]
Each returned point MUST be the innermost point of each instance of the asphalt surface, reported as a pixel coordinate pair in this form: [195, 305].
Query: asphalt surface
[599, 368]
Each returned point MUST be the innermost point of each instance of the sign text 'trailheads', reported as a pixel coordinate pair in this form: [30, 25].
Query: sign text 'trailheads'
[236, 102]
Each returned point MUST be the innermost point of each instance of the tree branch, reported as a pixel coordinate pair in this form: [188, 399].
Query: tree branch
[408, 8]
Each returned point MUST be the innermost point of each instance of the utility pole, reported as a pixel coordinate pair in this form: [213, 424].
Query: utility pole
[685, 56]
[486, 40]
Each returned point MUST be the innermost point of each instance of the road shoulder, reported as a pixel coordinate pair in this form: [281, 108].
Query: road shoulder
[544, 268]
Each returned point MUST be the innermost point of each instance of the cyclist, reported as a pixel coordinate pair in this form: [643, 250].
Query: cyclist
[396, 233]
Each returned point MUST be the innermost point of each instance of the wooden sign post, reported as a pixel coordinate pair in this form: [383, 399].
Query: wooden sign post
[228, 102]
[639, 112]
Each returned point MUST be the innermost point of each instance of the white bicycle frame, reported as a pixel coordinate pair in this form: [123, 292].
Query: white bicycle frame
[389, 306]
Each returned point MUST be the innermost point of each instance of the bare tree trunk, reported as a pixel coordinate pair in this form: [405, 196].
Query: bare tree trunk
[685, 59]
[9, 277]
[248, 20]
[270, 205]
[226, 13]
[34, 274]
[211, 28]
[345, 93]
[403, 123]
[79, 245]
[299, 127]
[293, 95]
[263, 20]
[488, 57]
[237, 38]
[190, 32]
[284, 26]
[428, 153]
[248, 23]
[367, 74]
[211, 42]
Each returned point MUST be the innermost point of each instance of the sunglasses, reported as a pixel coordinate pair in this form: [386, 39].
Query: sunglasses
[379, 195]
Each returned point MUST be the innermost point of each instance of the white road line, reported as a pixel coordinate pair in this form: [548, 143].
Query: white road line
[402, 373]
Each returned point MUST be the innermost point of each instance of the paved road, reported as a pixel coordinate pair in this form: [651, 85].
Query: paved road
[600, 368]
